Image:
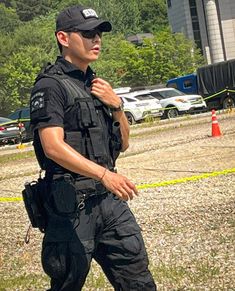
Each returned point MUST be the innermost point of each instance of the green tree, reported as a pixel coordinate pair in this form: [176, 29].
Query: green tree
[154, 62]
[175, 55]
[153, 15]
[124, 15]
[18, 76]
[41, 32]
[112, 65]
[9, 19]
[7, 3]
[29, 9]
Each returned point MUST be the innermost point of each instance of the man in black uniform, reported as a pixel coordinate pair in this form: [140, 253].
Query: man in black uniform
[79, 130]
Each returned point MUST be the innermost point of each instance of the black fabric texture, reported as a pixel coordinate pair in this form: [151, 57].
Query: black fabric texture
[107, 232]
[215, 78]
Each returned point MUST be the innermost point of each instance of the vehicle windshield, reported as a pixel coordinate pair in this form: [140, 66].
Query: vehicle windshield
[171, 93]
[144, 97]
[3, 119]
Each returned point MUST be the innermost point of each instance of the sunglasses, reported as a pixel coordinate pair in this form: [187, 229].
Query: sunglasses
[90, 34]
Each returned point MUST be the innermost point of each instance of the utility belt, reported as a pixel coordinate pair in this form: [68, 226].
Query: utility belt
[60, 194]
[69, 193]
[83, 185]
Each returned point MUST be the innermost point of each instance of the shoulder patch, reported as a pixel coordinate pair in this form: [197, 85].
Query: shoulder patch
[37, 101]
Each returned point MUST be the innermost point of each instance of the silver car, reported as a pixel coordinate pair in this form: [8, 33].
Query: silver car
[10, 131]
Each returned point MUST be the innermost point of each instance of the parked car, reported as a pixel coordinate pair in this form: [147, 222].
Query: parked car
[177, 102]
[139, 105]
[122, 90]
[11, 131]
[23, 115]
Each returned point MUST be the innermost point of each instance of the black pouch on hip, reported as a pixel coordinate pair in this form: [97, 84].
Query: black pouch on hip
[64, 197]
[33, 197]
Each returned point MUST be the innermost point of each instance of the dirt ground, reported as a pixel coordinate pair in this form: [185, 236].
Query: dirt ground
[178, 149]
[189, 228]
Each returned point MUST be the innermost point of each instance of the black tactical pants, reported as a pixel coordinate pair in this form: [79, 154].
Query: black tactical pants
[107, 231]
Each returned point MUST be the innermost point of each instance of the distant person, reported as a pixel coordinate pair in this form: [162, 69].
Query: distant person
[79, 130]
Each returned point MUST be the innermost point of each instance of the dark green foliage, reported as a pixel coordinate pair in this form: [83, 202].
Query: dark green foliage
[9, 19]
[29, 9]
[153, 15]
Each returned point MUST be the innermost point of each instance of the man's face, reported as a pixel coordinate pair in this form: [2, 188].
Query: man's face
[83, 48]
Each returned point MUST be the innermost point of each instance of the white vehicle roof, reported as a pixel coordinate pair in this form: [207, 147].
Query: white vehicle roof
[135, 93]
[122, 90]
[176, 90]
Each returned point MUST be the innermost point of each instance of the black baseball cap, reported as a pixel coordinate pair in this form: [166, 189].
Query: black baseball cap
[80, 18]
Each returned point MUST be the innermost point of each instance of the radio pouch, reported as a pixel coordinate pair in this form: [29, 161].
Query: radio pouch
[33, 197]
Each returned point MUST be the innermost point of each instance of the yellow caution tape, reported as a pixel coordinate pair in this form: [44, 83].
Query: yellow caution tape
[10, 199]
[186, 179]
[15, 121]
[154, 185]
[211, 96]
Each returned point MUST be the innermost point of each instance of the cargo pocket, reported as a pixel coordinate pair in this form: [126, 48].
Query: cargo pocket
[54, 259]
[130, 239]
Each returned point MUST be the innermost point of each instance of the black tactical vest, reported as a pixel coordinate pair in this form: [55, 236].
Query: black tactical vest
[88, 126]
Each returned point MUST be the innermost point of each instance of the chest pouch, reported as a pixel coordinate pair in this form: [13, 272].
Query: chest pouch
[86, 115]
[76, 140]
[95, 145]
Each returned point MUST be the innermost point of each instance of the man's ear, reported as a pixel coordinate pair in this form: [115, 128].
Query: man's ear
[62, 38]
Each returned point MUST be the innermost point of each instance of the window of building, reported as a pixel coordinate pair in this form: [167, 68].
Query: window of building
[169, 3]
[195, 24]
[192, 3]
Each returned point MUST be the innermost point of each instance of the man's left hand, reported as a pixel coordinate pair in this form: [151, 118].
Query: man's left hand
[103, 90]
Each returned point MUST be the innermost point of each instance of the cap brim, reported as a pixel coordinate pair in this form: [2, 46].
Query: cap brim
[104, 26]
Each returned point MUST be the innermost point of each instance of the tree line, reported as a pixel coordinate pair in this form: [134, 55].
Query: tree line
[28, 43]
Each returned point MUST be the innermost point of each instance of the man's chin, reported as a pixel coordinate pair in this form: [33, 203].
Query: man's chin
[93, 59]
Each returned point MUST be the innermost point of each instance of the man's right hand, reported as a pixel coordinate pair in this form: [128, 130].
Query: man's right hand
[119, 185]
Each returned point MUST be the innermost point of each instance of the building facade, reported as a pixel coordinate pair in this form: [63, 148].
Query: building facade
[210, 23]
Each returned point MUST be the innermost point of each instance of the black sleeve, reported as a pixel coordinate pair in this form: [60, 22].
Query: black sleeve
[47, 104]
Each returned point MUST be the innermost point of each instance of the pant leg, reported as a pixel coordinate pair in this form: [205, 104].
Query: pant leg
[68, 247]
[121, 251]
[67, 264]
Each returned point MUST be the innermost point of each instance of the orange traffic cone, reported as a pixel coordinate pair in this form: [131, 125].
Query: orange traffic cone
[215, 125]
